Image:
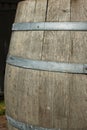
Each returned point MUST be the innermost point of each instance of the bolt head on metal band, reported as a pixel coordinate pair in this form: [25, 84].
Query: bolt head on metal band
[50, 26]
[47, 65]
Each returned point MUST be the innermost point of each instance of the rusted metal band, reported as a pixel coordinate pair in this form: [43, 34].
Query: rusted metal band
[47, 65]
[22, 126]
[50, 26]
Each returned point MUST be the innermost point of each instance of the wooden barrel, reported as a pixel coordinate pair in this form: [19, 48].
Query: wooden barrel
[37, 94]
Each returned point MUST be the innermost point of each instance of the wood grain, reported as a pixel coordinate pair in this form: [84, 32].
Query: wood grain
[56, 47]
[28, 46]
[78, 86]
[41, 98]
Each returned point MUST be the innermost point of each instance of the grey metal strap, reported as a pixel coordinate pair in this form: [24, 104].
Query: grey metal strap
[47, 65]
[23, 126]
[51, 26]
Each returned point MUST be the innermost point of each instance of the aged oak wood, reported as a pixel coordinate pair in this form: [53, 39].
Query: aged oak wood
[78, 86]
[56, 47]
[41, 98]
[29, 46]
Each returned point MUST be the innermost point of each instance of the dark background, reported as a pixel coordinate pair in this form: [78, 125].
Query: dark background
[7, 15]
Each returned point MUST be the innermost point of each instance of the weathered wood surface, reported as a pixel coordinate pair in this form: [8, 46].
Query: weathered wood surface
[30, 46]
[47, 99]
[78, 86]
